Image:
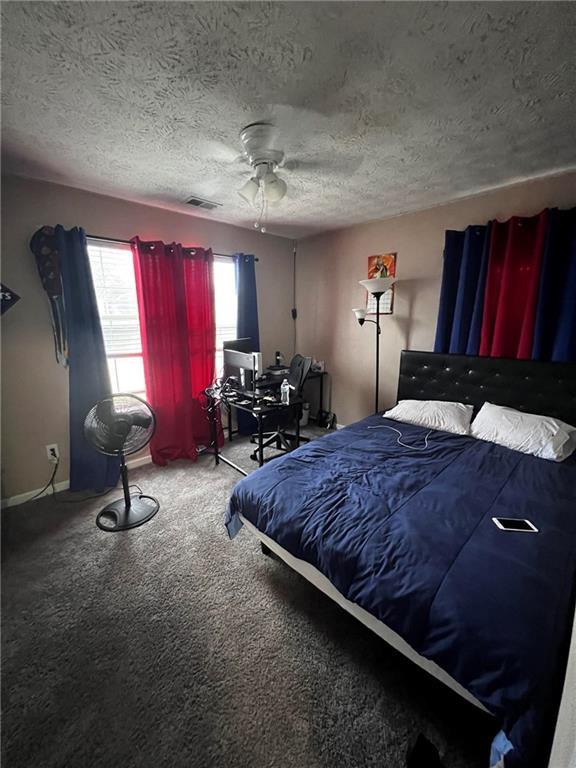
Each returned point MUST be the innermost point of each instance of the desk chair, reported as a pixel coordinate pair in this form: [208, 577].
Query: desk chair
[280, 437]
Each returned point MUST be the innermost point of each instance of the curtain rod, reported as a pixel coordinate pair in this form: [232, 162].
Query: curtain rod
[127, 242]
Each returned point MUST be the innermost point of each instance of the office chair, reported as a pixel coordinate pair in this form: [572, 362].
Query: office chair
[280, 437]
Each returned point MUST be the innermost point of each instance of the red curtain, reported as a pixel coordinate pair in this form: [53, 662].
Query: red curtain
[176, 304]
[510, 300]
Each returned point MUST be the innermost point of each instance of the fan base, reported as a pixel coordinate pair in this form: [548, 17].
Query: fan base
[115, 516]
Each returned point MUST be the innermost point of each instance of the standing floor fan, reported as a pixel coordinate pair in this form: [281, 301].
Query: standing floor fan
[118, 426]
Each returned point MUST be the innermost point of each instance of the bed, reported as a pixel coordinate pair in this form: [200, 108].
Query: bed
[402, 538]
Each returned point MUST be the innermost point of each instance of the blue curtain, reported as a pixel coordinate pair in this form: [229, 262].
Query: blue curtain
[87, 366]
[247, 299]
[247, 319]
[462, 291]
[555, 328]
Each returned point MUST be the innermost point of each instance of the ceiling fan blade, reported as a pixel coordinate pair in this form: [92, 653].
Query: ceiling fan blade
[296, 123]
[334, 164]
[223, 153]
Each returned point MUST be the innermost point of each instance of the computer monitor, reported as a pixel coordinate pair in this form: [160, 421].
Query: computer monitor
[242, 363]
[240, 345]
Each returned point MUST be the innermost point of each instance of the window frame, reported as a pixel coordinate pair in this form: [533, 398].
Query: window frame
[111, 357]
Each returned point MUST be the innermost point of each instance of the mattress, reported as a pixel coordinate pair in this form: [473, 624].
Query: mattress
[404, 531]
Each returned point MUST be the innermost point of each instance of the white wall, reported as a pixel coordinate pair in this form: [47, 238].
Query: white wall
[34, 387]
[330, 266]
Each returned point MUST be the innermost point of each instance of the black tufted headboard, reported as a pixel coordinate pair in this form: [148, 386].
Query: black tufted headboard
[528, 385]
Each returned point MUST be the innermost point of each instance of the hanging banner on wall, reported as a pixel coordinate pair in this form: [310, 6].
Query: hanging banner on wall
[9, 298]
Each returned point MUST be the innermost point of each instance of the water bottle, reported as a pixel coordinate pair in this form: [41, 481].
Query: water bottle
[285, 392]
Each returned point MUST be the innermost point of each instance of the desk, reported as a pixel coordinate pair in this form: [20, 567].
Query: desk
[261, 411]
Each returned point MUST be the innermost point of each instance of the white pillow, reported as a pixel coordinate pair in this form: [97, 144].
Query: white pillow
[540, 436]
[434, 414]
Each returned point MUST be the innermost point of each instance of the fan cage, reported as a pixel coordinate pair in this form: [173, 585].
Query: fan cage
[125, 407]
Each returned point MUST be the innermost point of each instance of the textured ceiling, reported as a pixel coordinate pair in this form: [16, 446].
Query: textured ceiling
[388, 107]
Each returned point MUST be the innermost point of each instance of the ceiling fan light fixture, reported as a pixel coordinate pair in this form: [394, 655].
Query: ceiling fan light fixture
[274, 187]
[249, 190]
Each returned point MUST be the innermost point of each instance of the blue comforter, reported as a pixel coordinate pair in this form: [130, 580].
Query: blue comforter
[407, 534]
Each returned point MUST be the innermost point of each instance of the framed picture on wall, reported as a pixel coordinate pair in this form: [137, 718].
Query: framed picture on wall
[382, 265]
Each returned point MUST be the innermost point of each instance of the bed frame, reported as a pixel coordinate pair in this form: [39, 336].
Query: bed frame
[535, 387]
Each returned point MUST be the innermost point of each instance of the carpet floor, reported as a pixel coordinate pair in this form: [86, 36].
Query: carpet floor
[171, 646]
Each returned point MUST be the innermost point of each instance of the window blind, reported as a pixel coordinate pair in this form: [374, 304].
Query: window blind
[115, 287]
[226, 303]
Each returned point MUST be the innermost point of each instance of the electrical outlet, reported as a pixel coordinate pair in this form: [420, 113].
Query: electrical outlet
[53, 453]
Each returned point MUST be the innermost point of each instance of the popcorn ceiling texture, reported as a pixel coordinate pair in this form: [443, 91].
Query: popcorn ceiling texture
[388, 107]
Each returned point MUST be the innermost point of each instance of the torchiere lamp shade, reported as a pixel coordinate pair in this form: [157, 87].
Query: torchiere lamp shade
[360, 313]
[378, 284]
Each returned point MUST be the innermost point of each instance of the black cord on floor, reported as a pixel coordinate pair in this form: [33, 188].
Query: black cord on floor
[49, 484]
[87, 498]
[98, 495]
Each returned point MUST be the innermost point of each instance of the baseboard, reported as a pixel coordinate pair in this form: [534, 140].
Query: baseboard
[63, 485]
[140, 462]
[22, 498]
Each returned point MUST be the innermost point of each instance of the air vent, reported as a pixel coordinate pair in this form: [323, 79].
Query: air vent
[207, 205]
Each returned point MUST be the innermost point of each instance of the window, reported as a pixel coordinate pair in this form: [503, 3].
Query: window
[226, 306]
[115, 286]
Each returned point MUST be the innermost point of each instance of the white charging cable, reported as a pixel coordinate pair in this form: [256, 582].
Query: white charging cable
[400, 436]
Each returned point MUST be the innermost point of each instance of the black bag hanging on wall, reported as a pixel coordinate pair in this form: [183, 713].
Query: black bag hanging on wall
[43, 246]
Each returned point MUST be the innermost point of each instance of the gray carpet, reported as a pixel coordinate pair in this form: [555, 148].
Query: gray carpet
[170, 645]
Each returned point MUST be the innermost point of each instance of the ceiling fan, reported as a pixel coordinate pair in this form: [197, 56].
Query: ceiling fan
[260, 142]
[263, 149]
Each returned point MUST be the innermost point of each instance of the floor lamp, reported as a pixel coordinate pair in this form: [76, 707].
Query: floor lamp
[377, 287]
